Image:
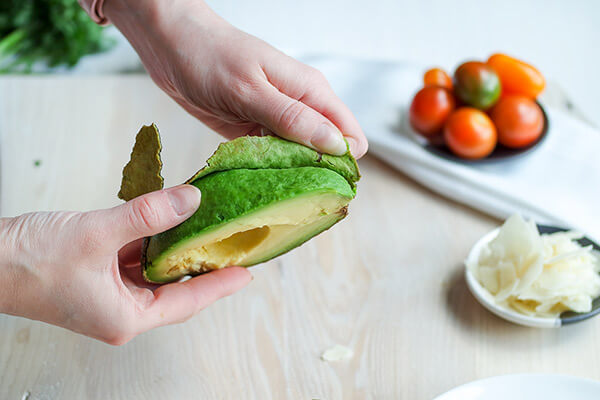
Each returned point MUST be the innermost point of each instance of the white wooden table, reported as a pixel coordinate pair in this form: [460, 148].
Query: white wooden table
[386, 282]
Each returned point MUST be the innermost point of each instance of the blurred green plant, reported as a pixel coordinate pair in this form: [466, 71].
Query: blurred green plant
[52, 32]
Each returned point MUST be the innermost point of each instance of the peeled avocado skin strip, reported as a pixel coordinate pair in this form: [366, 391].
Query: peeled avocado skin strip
[254, 152]
[248, 176]
[141, 174]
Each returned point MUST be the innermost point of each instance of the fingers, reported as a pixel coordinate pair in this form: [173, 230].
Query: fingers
[177, 302]
[325, 101]
[300, 81]
[154, 212]
[294, 120]
[146, 215]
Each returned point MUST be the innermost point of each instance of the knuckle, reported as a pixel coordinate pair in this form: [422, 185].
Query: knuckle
[196, 305]
[143, 216]
[316, 75]
[244, 88]
[290, 114]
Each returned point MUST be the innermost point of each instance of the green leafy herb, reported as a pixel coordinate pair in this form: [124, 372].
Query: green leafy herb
[53, 32]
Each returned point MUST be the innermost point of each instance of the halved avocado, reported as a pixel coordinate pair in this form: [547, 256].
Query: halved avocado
[261, 197]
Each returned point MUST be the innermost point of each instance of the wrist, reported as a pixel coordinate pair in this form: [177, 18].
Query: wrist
[144, 20]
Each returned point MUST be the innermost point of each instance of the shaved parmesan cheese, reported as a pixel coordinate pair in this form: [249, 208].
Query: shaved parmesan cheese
[337, 353]
[538, 275]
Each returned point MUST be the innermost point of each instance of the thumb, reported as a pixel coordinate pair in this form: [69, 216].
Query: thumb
[178, 301]
[295, 121]
[152, 213]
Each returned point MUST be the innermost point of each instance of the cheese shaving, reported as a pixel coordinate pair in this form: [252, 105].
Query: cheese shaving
[538, 275]
[337, 353]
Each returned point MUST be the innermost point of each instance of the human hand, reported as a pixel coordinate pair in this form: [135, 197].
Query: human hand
[81, 271]
[233, 82]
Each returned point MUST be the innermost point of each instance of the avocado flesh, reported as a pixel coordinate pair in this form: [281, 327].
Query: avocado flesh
[256, 237]
[248, 216]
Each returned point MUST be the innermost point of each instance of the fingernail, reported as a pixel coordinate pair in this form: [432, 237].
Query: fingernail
[329, 140]
[354, 149]
[184, 199]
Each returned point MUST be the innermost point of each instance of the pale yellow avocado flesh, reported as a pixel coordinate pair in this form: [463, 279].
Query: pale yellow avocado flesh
[254, 237]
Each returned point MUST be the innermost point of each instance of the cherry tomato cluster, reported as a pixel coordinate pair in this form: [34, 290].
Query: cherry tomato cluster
[485, 104]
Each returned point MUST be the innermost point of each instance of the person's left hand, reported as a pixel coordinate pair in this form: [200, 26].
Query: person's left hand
[82, 271]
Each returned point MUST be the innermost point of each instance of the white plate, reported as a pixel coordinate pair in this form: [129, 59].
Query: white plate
[526, 387]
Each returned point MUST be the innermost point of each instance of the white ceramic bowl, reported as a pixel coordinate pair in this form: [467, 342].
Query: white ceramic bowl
[526, 387]
[487, 300]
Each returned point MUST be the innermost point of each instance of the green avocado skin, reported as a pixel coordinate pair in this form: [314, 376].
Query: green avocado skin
[254, 152]
[231, 194]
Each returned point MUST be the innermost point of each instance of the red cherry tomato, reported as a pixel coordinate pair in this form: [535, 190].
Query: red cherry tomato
[437, 77]
[470, 133]
[429, 110]
[519, 121]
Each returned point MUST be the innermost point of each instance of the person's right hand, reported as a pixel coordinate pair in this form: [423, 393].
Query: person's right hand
[232, 81]
[82, 271]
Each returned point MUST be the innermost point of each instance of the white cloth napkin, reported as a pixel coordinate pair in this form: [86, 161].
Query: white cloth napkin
[556, 183]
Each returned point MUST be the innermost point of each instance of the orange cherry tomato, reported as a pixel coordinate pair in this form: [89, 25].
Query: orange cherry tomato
[519, 121]
[437, 77]
[517, 77]
[429, 110]
[470, 133]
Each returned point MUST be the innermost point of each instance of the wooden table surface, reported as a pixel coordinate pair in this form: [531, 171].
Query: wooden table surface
[386, 282]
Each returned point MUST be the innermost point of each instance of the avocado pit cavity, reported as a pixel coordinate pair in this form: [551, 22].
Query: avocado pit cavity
[261, 197]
